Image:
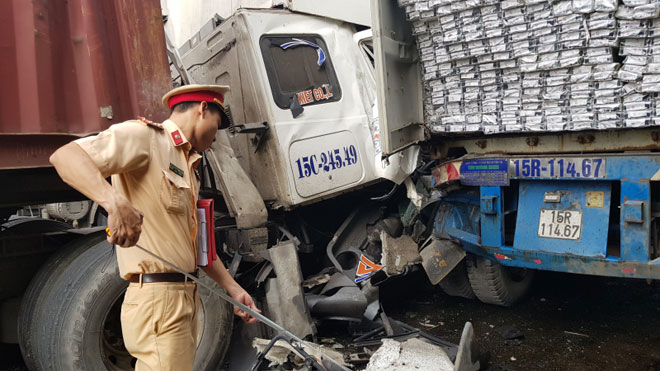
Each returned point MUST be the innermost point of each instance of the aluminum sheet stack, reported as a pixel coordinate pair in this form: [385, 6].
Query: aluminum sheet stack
[639, 34]
[538, 65]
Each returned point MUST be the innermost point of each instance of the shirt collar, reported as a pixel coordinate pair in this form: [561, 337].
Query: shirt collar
[195, 158]
[175, 134]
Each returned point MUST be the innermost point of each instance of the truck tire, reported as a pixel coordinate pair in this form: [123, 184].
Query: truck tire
[457, 283]
[42, 283]
[78, 325]
[216, 330]
[496, 284]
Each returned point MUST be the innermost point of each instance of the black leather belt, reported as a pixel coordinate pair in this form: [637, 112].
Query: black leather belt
[160, 277]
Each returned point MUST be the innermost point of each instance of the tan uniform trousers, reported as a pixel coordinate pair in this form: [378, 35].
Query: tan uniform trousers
[159, 324]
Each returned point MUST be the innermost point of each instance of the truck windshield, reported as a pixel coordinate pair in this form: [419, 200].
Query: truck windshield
[299, 70]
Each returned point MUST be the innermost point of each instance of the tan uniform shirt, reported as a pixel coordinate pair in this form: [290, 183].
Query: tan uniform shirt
[154, 169]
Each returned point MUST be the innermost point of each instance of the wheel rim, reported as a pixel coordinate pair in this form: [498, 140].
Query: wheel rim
[113, 352]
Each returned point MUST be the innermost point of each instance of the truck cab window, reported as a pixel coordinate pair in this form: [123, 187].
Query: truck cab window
[299, 67]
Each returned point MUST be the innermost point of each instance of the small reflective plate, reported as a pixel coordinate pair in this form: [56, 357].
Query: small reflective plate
[562, 224]
[552, 197]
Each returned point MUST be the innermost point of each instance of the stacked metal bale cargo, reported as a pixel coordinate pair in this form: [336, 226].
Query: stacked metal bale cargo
[639, 34]
[537, 65]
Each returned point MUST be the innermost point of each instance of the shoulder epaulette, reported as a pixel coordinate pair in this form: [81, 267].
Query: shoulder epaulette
[150, 123]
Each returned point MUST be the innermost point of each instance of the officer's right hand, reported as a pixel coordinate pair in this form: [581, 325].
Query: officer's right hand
[124, 223]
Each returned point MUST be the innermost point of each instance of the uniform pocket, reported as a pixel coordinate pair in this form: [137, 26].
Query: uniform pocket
[178, 312]
[174, 193]
[133, 296]
[136, 317]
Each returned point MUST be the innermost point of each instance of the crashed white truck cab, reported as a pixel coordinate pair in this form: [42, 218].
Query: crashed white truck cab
[303, 88]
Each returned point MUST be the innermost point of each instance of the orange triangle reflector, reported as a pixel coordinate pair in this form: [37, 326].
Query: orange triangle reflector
[366, 266]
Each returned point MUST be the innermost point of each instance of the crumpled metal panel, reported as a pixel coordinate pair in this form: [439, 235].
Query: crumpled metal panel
[284, 295]
[74, 68]
[240, 193]
[398, 253]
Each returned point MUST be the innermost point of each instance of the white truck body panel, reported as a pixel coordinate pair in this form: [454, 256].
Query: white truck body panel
[397, 72]
[358, 12]
[186, 17]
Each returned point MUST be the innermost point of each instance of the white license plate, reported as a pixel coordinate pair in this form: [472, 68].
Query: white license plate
[563, 224]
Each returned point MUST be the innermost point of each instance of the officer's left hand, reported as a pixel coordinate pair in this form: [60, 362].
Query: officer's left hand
[244, 298]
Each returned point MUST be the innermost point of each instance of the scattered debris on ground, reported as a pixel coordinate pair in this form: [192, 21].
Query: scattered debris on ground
[509, 333]
[412, 354]
[282, 353]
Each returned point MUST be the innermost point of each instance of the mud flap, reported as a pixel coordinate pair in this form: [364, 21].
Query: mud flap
[440, 257]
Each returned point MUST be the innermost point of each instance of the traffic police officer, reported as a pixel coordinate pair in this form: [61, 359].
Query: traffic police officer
[152, 202]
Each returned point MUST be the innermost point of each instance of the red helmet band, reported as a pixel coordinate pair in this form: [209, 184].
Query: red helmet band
[196, 96]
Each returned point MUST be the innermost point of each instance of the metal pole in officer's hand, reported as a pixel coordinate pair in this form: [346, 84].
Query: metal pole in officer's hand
[290, 336]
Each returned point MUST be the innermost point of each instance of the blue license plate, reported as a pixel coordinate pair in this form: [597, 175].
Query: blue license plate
[558, 167]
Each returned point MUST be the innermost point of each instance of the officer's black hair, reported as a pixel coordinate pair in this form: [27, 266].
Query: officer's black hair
[185, 106]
